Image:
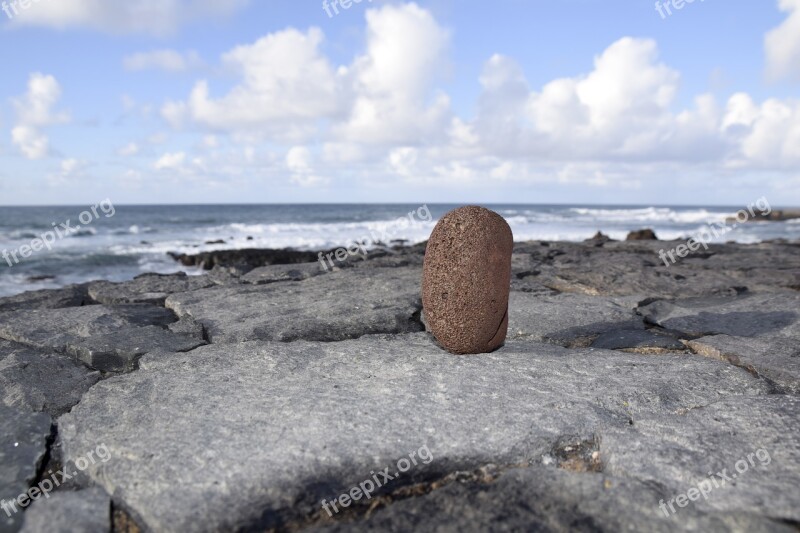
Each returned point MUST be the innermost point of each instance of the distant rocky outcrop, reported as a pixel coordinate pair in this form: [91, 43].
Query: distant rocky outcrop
[642, 235]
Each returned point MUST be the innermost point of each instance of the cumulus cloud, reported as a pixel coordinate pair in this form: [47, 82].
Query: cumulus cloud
[167, 60]
[34, 113]
[170, 161]
[131, 16]
[286, 85]
[299, 161]
[782, 44]
[383, 115]
[390, 85]
[129, 150]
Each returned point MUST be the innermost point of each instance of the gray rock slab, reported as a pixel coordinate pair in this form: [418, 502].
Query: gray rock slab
[23, 444]
[637, 340]
[147, 288]
[332, 307]
[71, 296]
[744, 315]
[55, 328]
[569, 319]
[620, 269]
[41, 381]
[257, 433]
[83, 511]
[749, 446]
[774, 358]
[635, 268]
[276, 273]
[547, 500]
[121, 350]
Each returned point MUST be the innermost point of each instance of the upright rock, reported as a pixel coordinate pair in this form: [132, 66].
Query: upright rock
[466, 280]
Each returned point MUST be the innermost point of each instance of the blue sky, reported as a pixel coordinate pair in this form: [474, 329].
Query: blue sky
[568, 101]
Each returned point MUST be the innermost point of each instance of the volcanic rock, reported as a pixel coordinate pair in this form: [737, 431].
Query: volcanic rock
[466, 280]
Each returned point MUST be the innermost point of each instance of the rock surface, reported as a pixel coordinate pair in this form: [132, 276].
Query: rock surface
[23, 445]
[41, 381]
[466, 279]
[85, 511]
[775, 359]
[622, 384]
[333, 307]
[333, 412]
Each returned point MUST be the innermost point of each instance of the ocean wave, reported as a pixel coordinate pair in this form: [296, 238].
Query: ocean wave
[650, 214]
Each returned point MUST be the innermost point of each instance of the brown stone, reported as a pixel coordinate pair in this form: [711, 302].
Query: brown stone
[642, 235]
[466, 280]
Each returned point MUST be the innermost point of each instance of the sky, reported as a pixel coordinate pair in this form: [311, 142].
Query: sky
[449, 101]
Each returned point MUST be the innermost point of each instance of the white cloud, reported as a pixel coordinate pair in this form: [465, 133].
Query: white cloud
[170, 161]
[382, 118]
[129, 150]
[34, 112]
[391, 85]
[299, 161]
[286, 85]
[168, 60]
[70, 169]
[782, 44]
[158, 17]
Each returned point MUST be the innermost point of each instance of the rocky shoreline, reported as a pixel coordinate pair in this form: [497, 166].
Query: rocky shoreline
[244, 398]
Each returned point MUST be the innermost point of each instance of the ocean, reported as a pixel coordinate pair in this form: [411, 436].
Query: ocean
[120, 242]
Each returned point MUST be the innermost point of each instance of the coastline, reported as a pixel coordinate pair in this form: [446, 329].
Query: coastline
[610, 356]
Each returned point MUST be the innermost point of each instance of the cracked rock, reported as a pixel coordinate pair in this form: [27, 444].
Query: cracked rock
[147, 288]
[23, 445]
[745, 315]
[313, 419]
[569, 319]
[331, 307]
[41, 381]
[548, 500]
[774, 358]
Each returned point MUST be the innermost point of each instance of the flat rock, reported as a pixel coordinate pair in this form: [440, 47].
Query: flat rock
[121, 350]
[638, 341]
[147, 288]
[466, 279]
[56, 328]
[257, 434]
[70, 296]
[675, 453]
[41, 381]
[774, 358]
[548, 500]
[630, 268]
[23, 444]
[745, 315]
[332, 307]
[569, 319]
[84, 511]
[276, 273]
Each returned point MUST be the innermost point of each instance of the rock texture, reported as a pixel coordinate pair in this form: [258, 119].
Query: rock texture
[242, 401]
[466, 277]
[23, 446]
[85, 511]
